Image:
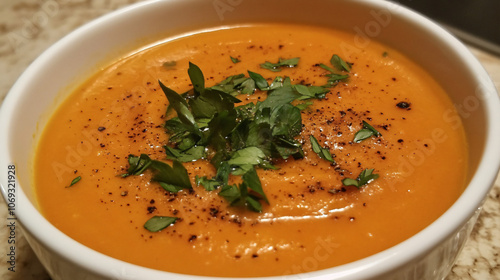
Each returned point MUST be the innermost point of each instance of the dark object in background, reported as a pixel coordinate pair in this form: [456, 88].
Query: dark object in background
[476, 22]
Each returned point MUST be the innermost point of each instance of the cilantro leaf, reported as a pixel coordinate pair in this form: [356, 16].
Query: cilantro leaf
[169, 64]
[196, 77]
[231, 193]
[276, 67]
[366, 132]
[74, 181]
[175, 175]
[284, 147]
[169, 187]
[220, 179]
[191, 154]
[137, 165]
[365, 177]
[340, 64]
[310, 92]
[278, 97]
[248, 193]
[320, 151]
[179, 104]
[333, 77]
[247, 156]
[286, 120]
[234, 59]
[260, 82]
[253, 182]
[253, 204]
[326, 67]
[158, 223]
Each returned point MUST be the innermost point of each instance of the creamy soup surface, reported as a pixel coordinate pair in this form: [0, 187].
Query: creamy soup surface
[312, 221]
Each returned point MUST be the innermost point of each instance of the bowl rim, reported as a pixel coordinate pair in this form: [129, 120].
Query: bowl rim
[376, 264]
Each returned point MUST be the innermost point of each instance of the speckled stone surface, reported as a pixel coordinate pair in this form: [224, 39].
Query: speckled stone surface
[28, 27]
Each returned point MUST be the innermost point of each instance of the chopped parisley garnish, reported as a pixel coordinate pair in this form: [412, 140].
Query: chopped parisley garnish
[364, 178]
[366, 132]
[172, 178]
[323, 153]
[276, 67]
[237, 140]
[234, 59]
[333, 77]
[74, 181]
[158, 223]
[169, 64]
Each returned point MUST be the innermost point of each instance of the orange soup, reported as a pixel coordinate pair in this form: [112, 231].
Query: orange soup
[365, 157]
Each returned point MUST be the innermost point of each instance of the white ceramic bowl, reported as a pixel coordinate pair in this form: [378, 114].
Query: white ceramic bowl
[427, 255]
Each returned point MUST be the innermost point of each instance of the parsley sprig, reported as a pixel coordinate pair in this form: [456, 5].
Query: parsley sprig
[365, 177]
[323, 153]
[282, 63]
[366, 132]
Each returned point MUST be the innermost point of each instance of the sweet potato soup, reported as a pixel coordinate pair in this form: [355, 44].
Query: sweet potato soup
[256, 150]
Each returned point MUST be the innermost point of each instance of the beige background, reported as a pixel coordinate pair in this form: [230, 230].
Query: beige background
[28, 27]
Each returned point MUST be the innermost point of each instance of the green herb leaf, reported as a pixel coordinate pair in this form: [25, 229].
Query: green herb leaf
[253, 204]
[260, 82]
[285, 147]
[196, 77]
[279, 97]
[158, 223]
[179, 104]
[234, 59]
[208, 184]
[191, 154]
[309, 92]
[286, 120]
[231, 193]
[366, 132]
[247, 156]
[340, 64]
[303, 106]
[137, 165]
[252, 181]
[170, 188]
[169, 64]
[74, 181]
[276, 67]
[326, 67]
[220, 179]
[176, 175]
[365, 177]
[323, 153]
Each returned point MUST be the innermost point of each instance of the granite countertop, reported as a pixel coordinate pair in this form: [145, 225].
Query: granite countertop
[28, 27]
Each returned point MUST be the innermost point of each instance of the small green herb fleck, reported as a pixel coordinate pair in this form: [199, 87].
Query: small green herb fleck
[366, 132]
[365, 177]
[235, 59]
[158, 223]
[74, 181]
[276, 67]
[169, 64]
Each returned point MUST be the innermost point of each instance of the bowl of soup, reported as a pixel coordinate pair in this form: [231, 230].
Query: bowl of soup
[264, 139]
